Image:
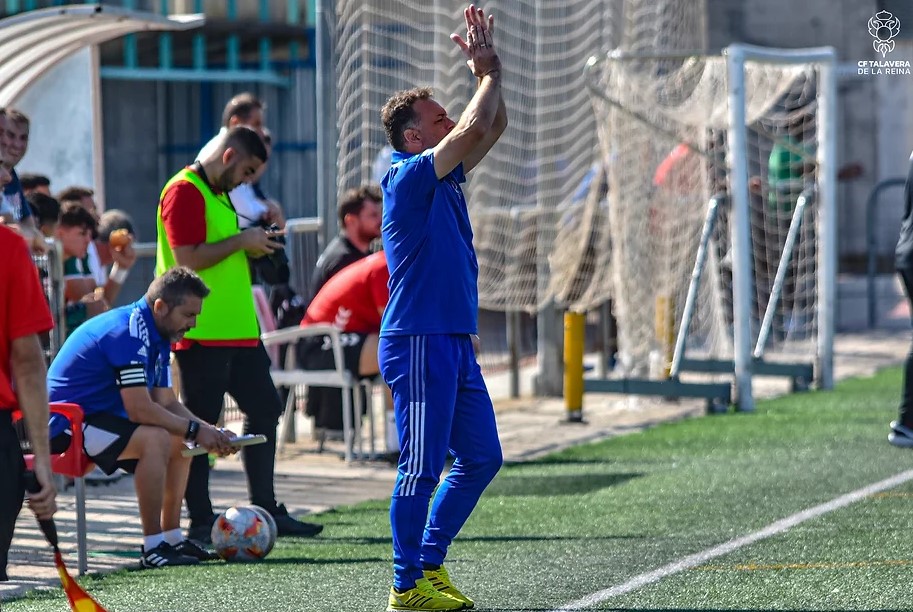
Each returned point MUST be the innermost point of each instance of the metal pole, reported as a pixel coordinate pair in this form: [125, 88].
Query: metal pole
[871, 266]
[742, 281]
[327, 131]
[574, 332]
[827, 221]
[695, 284]
[776, 292]
[513, 348]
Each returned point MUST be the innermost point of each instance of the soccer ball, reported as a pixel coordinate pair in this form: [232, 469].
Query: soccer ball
[241, 534]
[271, 523]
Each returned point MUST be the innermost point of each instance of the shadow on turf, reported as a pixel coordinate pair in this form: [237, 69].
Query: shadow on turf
[506, 538]
[512, 485]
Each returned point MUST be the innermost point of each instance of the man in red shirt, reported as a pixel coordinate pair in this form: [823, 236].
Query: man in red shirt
[24, 314]
[352, 300]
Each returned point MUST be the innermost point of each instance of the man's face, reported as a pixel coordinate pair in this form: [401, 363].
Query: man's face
[366, 224]
[38, 189]
[173, 323]
[432, 122]
[75, 240]
[239, 168]
[15, 141]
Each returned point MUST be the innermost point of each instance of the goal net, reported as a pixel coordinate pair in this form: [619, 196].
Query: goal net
[520, 195]
[599, 187]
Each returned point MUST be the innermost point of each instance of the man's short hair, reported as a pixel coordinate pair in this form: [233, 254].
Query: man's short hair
[246, 141]
[47, 209]
[397, 114]
[75, 193]
[241, 106]
[353, 200]
[73, 214]
[175, 285]
[34, 181]
[17, 117]
[111, 221]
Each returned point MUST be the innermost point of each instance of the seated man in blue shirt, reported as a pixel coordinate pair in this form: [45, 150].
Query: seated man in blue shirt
[116, 367]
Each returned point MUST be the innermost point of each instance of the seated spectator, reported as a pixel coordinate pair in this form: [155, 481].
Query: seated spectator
[114, 245]
[116, 368]
[123, 256]
[359, 214]
[353, 300]
[74, 232]
[46, 211]
[14, 141]
[35, 183]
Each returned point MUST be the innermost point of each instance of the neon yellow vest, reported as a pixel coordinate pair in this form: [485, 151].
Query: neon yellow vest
[228, 312]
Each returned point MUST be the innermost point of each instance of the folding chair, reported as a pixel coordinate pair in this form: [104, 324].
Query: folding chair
[293, 376]
[74, 463]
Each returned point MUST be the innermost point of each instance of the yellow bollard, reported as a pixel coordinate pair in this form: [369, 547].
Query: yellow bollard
[574, 323]
[665, 330]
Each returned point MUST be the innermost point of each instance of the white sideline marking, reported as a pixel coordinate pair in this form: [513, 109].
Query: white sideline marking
[732, 545]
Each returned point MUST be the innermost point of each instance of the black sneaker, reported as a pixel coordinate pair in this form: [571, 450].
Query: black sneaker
[900, 435]
[202, 532]
[189, 548]
[288, 526]
[164, 555]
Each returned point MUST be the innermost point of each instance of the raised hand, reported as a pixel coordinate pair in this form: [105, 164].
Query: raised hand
[478, 47]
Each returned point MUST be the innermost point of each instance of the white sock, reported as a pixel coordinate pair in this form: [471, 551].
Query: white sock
[174, 536]
[151, 541]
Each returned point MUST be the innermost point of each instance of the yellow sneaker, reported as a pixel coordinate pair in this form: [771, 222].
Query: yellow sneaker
[423, 597]
[440, 580]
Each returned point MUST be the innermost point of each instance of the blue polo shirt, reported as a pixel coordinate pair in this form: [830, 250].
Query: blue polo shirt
[15, 198]
[117, 349]
[428, 242]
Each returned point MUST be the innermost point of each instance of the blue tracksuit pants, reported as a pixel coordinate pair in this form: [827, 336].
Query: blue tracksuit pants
[441, 404]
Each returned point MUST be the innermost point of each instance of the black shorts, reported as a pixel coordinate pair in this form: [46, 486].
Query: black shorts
[316, 353]
[105, 436]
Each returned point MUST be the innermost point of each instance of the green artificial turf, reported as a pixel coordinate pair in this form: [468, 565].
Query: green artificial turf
[549, 532]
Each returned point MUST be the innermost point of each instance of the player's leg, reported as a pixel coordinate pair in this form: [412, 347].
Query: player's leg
[12, 485]
[902, 429]
[252, 388]
[367, 359]
[175, 484]
[176, 475]
[149, 446]
[422, 373]
[477, 459]
[204, 375]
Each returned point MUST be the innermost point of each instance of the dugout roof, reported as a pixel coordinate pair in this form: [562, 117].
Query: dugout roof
[32, 43]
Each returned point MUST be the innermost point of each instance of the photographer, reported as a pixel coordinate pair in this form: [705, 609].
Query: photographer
[198, 228]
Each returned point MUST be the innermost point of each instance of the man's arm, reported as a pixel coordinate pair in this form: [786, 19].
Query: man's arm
[254, 240]
[30, 373]
[491, 137]
[478, 119]
[173, 418]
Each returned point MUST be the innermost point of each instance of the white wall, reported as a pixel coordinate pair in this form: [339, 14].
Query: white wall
[62, 139]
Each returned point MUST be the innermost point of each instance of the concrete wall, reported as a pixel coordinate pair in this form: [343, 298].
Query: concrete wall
[61, 140]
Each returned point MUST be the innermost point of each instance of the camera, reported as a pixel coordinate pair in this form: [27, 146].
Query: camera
[278, 256]
[273, 269]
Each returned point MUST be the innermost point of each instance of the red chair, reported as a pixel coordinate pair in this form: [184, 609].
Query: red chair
[74, 463]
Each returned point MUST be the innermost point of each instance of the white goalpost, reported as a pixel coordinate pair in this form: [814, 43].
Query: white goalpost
[721, 203]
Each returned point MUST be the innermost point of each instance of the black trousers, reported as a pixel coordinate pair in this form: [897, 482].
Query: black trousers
[12, 485]
[207, 373]
[906, 398]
